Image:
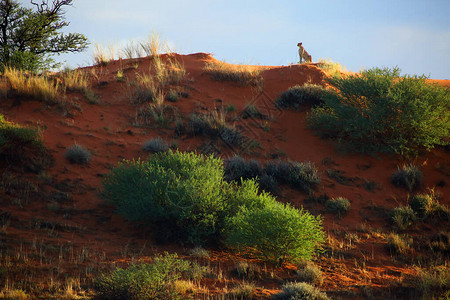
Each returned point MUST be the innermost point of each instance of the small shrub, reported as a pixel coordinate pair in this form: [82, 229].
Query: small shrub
[244, 291]
[300, 290]
[403, 217]
[172, 96]
[251, 111]
[339, 205]
[145, 281]
[379, 111]
[269, 184]
[302, 176]
[310, 273]
[199, 252]
[330, 67]
[427, 205]
[296, 96]
[408, 176]
[77, 154]
[431, 283]
[145, 91]
[237, 168]
[247, 270]
[244, 75]
[215, 125]
[399, 244]
[155, 145]
[290, 235]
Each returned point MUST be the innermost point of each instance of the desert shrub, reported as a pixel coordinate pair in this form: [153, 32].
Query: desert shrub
[248, 271]
[237, 167]
[330, 67]
[244, 290]
[302, 176]
[214, 125]
[310, 273]
[244, 75]
[403, 217]
[379, 111]
[155, 145]
[296, 96]
[398, 244]
[269, 184]
[431, 283]
[77, 154]
[180, 192]
[339, 205]
[172, 96]
[22, 146]
[408, 176]
[199, 252]
[145, 280]
[290, 235]
[426, 205]
[299, 291]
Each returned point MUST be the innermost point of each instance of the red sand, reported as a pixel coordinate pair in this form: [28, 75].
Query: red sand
[106, 129]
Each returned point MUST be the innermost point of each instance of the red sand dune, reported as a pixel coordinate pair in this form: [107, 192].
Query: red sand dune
[106, 129]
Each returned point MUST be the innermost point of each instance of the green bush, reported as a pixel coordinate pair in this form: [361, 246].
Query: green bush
[403, 217]
[339, 205]
[277, 232]
[300, 291]
[408, 176]
[145, 281]
[179, 191]
[77, 154]
[378, 111]
[298, 95]
[425, 205]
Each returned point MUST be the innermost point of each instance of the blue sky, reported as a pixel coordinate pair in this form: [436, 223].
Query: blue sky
[413, 35]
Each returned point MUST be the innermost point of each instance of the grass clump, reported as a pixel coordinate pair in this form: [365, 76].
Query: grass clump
[103, 55]
[244, 75]
[330, 67]
[431, 283]
[408, 176]
[399, 244]
[34, 86]
[155, 145]
[296, 96]
[403, 217]
[310, 273]
[427, 205]
[299, 175]
[155, 280]
[300, 290]
[379, 111]
[215, 126]
[77, 154]
[22, 146]
[339, 205]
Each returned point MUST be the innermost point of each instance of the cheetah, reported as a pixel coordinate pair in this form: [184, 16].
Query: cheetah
[303, 54]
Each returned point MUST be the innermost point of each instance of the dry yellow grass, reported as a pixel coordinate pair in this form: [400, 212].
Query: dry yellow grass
[39, 87]
[103, 55]
[330, 67]
[75, 80]
[242, 74]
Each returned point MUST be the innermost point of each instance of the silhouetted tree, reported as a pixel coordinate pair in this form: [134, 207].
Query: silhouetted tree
[29, 37]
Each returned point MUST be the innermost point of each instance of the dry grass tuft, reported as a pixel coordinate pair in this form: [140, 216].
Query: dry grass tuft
[244, 75]
[330, 67]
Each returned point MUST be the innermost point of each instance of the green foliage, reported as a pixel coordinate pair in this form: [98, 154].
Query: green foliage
[339, 205]
[28, 37]
[145, 281]
[378, 111]
[178, 191]
[77, 154]
[403, 217]
[296, 96]
[300, 291]
[290, 235]
[408, 176]
[427, 205]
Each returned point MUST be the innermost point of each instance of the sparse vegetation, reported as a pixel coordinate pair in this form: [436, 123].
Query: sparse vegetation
[403, 217]
[77, 154]
[300, 290]
[38, 87]
[408, 176]
[144, 280]
[155, 145]
[399, 244]
[309, 272]
[379, 111]
[427, 205]
[330, 67]
[244, 75]
[103, 55]
[339, 205]
[296, 96]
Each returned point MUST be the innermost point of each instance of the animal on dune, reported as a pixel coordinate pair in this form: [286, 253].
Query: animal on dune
[303, 54]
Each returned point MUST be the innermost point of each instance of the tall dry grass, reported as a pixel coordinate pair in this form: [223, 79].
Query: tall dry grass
[242, 74]
[330, 67]
[39, 87]
[103, 55]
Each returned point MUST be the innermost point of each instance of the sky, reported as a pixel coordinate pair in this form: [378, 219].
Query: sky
[359, 34]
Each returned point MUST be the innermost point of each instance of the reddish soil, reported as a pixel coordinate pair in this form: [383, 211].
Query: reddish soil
[90, 229]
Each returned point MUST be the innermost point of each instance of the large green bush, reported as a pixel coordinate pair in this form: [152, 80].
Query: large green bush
[181, 192]
[277, 232]
[379, 111]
